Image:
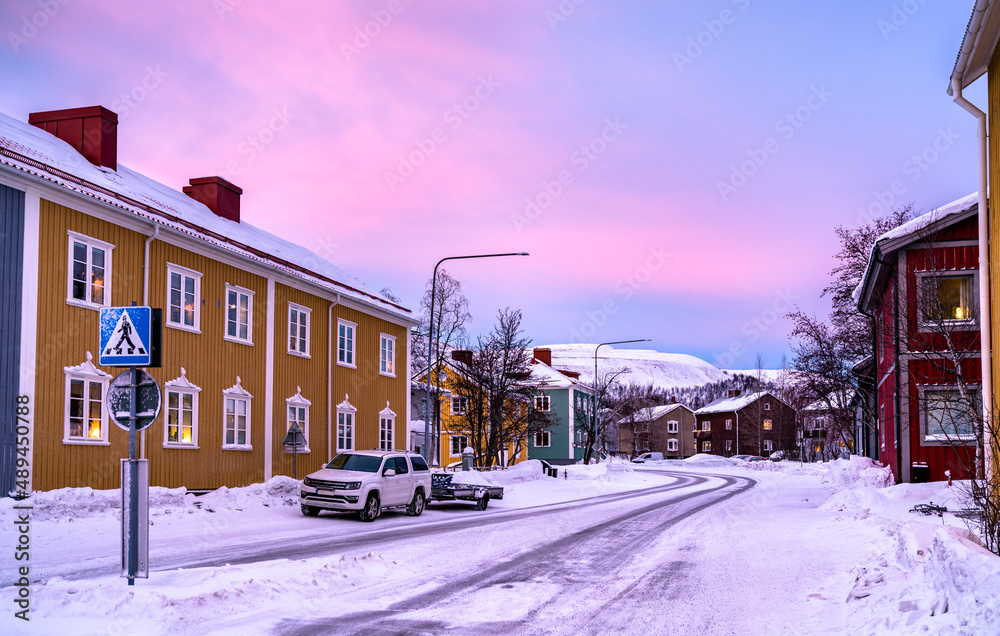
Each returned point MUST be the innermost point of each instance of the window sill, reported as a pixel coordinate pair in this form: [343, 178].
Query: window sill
[83, 304]
[386, 375]
[346, 364]
[946, 325]
[72, 441]
[948, 440]
[196, 329]
[238, 447]
[299, 354]
[180, 446]
[228, 338]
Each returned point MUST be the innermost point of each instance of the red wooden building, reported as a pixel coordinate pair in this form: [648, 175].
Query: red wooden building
[922, 287]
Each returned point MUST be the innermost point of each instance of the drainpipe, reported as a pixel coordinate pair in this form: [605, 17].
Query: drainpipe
[985, 328]
[329, 378]
[145, 303]
[869, 452]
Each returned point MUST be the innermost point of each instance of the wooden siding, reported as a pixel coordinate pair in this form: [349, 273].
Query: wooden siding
[11, 274]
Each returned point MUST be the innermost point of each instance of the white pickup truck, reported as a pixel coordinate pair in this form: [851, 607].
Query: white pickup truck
[368, 482]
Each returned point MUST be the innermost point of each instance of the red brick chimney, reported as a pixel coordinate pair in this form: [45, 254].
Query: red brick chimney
[221, 197]
[734, 393]
[92, 130]
[462, 355]
[543, 355]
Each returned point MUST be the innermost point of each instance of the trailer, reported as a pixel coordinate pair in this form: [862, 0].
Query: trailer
[448, 487]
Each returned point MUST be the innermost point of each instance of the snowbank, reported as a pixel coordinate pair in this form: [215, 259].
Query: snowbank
[471, 477]
[859, 472]
[704, 460]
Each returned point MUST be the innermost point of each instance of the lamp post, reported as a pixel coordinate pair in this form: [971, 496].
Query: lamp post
[597, 397]
[430, 340]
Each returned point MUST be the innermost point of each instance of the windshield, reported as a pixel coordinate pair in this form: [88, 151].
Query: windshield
[361, 463]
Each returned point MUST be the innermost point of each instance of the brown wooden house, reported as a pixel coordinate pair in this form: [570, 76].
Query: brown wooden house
[753, 424]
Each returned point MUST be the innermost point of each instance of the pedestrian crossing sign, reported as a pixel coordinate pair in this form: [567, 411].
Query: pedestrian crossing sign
[125, 336]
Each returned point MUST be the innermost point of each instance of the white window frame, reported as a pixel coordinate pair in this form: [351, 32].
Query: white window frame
[89, 374]
[239, 291]
[673, 426]
[181, 386]
[767, 406]
[348, 348]
[972, 322]
[238, 395]
[706, 446]
[706, 425]
[768, 425]
[543, 403]
[386, 428]
[184, 273]
[451, 444]
[346, 418]
[543, 439]
[387, 355]
[91, 243]
[672, 445]
[929, 439]
[729, 445]
[294, 407]
[729, 424]
[768, 446]
[300, 347]
[461, 400]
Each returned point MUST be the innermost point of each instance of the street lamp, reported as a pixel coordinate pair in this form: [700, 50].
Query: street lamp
[430, 339]
[597, 397]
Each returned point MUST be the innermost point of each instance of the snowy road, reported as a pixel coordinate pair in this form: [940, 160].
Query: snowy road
[564, 554]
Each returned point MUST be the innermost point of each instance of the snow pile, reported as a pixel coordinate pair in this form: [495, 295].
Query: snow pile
[859, 472]
[67, 504]
[616, 465]
[704, 460]
[275, 492]
[530, 470]
[471, 477]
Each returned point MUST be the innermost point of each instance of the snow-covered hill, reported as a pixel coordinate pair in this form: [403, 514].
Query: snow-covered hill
[662, 370]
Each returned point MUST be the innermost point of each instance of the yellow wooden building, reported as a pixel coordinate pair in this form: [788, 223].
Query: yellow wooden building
[258, 333]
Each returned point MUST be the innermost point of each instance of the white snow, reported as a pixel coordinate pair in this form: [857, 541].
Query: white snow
[813, 548]
[645, 366]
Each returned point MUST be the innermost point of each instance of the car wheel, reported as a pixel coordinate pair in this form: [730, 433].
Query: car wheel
[371, 509]
[417, 505]
[310, 511]
[483, 501]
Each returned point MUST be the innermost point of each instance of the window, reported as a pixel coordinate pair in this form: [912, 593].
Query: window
[386, 424]
[237, 417]
[706, 425]
[768, 446]
[89, 277]
[458, 444]
[298, 413]
[183, 298]
[542, 439]
[767, 406]
[947, 417]
[459, 404]
[401, 467]
[673, 426]
[542, 403]
[86, 419]
[767, 425]
[672, 445]
[345, 425]
[387, 355]
[239, 314]
[706, 447]
[947, 298]
[345, 343]
[729, 445]
[298, 329]
[729, 425]
[181, 426]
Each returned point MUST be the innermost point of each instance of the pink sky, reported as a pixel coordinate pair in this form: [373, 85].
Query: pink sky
[619, 120]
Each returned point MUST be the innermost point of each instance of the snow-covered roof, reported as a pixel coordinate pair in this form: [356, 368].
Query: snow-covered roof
[912, 230]
[726, 404]
[652, 414]
[34, 152]
[547, 377]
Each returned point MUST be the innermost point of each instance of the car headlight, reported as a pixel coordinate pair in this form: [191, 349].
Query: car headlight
[352, 485]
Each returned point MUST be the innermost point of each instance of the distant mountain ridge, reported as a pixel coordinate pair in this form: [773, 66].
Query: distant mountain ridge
[647, 367]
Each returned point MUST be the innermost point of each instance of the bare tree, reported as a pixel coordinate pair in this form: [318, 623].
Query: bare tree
[601, 430]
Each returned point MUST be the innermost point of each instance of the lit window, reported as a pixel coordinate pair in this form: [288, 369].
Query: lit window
[948, 417]
[706, 447]
[387, 355]
[459, 404]
[947, 298]
[542, 403]
[345, 343]
[183, 298]
[345, 425]
[298, 414]
[729, 445]
[239, 314]
[86, 419]
[298, 329]
[386, 425]
[458, 444]
[767, 425]
[706, 425]
[181, 426]
[542, 439]
[89, 277]
[237, 417]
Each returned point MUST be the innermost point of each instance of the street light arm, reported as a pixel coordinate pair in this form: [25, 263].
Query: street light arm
[597, 397]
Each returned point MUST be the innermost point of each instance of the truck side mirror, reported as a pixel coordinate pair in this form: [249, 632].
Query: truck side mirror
[389, 472]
